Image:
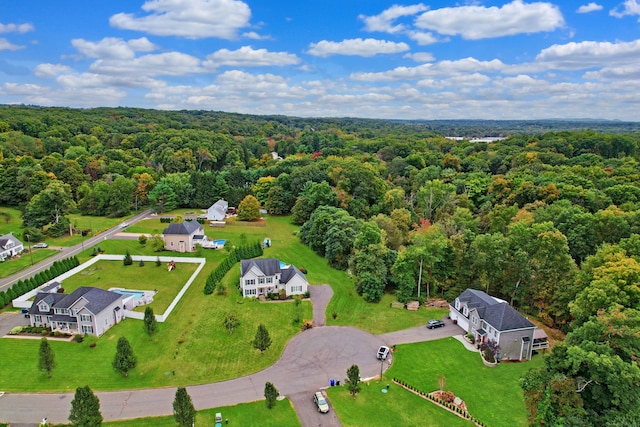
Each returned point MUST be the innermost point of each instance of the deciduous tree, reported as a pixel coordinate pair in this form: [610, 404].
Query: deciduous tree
[249, 209]
[353, 380]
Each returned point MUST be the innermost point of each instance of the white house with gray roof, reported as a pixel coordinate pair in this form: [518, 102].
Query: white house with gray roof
[218, 211]
[491, 319]
[10, 246]
[268, 276]
[184, 236]
[86, 310]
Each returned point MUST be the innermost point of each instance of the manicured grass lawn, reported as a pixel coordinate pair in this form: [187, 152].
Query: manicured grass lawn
[16, 264]
[492, 395]
[113, 274]
[253, 414]
[397, 407]
[11, 221]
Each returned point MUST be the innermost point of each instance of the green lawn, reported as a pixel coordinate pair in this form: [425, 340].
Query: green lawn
[492, 395]
[10, 221]
[253, 414]
[397, 407]
[16, 264]
[110, 274]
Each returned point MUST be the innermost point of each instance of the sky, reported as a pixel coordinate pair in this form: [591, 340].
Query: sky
[517, 59]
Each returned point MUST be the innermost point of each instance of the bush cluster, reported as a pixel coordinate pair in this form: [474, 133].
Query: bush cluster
[235, 255]
[21, 287]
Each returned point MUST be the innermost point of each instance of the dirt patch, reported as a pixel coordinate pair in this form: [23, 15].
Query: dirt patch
[436, 303]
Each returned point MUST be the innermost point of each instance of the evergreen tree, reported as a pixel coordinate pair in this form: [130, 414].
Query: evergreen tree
[150, 324]
[47, 360]
[353, 380]
[127, 260]
[262, 341]
[85, 409]
[183, 410]
[270, 394]
[124, 359]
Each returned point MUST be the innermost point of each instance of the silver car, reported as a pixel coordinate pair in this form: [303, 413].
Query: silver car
[321, 402]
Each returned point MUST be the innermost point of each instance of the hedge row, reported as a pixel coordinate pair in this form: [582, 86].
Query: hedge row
[21, 287]
[166, 220]
[450, 406]
[241, 252]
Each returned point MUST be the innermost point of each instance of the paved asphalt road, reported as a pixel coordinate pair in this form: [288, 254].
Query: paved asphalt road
[67, 252]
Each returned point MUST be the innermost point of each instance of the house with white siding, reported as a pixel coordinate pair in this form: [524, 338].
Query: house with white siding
[268, 276]
[10, 246]
[86, 310]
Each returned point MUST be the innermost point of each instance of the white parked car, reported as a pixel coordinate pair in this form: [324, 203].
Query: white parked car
[124, 225]
[41, 245]
[383, 352]
[321, 402]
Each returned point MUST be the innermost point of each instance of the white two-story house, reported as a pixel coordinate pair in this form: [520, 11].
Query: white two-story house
[268, 276]
[491, 319]
[10, 246]
[86, 310]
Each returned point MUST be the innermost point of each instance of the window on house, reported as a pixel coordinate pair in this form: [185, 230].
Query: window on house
[42, 307]
[297, 289]
[250, 292]
[87, 329]
[171, 244]
[261, 280]
[465, 311]
[38, 319]
[269, 279]
[474, 319]
[85, 318]
[250, 282]
[457, 304]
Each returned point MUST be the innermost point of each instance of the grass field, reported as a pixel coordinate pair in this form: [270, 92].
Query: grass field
[492, 395]
[113, 274]
[254, 414]
[397, 407]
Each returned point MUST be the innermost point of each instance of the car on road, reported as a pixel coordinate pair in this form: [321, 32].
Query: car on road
[383, 352]
[432, 324]
[321, 402]
[40, 245]
[124, 225]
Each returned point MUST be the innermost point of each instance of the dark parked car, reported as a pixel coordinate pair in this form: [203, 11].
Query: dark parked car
[432, 324]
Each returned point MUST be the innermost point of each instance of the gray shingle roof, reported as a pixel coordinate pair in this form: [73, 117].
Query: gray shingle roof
[268, 266]
[186, 228]
[498, 314]
[289, 273]
[97, 300]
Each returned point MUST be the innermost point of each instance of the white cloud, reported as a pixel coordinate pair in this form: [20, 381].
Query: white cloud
[15, 28]
[625, 74]
[193, 19]
[629, 7]
[420, 56]
[576, 56]
[50, 70]
[442, 69]
[90, 80]
[479, 22]
[591, 7]
[385, 20]
[249, 57]
[163, 64]
[111, 47]
[71, 97]
[423, 38]
[7, 45]
[356, 47]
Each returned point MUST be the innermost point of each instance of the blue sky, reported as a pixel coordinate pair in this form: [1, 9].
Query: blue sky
[327, 58]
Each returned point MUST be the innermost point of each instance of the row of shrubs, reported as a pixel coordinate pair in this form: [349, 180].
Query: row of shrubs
[21, 287]
[38, 330]
[282, 295]
[166, 220]
[449, 405]
[235, 255]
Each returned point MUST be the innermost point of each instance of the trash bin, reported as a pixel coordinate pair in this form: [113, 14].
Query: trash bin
[332, 382]
[337, 382]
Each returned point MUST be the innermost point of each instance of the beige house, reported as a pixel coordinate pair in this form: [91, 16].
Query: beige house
[183, 237]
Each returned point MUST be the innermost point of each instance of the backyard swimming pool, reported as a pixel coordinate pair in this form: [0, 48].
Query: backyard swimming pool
[135, 294]
[219, 242]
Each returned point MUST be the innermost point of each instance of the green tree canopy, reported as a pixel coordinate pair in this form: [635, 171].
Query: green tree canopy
[124, 359]
[249, 209]
[85, 409]
[183, 410]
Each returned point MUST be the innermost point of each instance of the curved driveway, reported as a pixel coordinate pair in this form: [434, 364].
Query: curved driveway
[308, 362]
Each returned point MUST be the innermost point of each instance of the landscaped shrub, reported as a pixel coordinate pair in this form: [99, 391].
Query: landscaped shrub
[282, 294]
[141, 263]
[142, 239]
[127, 260]
[79, 338]
[303, 270]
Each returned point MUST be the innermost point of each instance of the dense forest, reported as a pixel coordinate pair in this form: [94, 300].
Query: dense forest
[547, 219]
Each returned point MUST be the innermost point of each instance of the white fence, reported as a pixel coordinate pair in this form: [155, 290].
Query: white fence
[23, 300]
